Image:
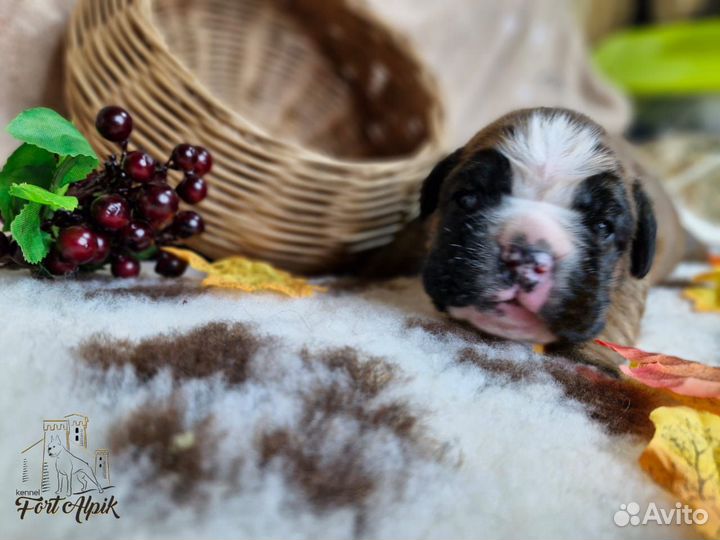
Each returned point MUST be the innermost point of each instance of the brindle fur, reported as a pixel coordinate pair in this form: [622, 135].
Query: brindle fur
[628, 295]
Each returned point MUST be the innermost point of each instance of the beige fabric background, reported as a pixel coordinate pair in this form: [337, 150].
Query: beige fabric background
[30, 58]
[495, 56]
[489, 56]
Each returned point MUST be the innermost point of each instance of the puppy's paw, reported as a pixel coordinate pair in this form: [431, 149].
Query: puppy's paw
[589, 354]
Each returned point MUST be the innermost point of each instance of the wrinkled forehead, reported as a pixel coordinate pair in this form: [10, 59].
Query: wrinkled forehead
[551, 154]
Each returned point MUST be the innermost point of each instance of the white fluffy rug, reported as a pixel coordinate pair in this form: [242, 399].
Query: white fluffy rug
[353, 414]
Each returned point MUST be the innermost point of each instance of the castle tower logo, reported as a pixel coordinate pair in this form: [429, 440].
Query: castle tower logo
[60, 474]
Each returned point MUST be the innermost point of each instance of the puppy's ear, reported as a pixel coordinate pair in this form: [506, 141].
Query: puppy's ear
[643, 244]
[430, 192]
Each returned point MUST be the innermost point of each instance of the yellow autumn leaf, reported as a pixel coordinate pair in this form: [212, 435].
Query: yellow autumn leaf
[683, 457]
[246, 275]
[705, 298]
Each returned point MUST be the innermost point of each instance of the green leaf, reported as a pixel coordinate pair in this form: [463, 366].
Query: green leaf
[146, 255]
[26, 231]
[43, 196]
[73, 169]
[28, 164]
[48, 130]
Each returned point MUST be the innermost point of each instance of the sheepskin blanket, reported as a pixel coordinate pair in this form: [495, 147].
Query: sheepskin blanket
[358, 413]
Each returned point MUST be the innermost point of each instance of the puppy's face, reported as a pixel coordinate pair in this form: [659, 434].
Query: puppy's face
[533, 225]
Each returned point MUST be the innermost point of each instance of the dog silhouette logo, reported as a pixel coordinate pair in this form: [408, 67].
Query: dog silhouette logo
[60, 474]
[66, 460]
[70, 467]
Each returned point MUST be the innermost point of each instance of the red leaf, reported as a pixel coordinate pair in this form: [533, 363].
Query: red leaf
[675, 374]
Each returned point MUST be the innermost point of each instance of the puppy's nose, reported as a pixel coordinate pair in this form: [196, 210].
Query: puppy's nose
[527, 266]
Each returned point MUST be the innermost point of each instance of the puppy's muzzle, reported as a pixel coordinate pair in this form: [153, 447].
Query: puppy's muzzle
[526, 266]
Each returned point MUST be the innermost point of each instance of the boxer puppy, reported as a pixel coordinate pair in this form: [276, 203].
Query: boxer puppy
[540, 231]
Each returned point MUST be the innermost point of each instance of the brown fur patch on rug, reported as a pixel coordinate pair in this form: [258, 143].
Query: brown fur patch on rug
[446, 329]
[370, 375]
[180, 454]
[157, 291]
[331, 468]
[620, 406]
[204, 351]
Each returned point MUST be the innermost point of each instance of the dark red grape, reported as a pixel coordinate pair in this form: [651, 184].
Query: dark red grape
[103, 250]
[192, 190]
[4, 246]
[169, 265]
[184, 157]
[58, 266]
[158, 203]
[114, 124]
[140, 166]
[204, 161]
[77, 244]
[138, 235]
[63, 218]
[117, 220]
[124, 266]
[111, 212]
[187, 224]
[46, 226]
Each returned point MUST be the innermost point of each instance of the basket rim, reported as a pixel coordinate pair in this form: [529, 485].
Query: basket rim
[436, 126]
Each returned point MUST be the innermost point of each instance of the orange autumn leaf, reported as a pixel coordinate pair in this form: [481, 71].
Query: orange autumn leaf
[246, 275]
[684, 458]
[670, 372]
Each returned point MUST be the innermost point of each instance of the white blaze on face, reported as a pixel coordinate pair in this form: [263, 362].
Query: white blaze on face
[550, 154]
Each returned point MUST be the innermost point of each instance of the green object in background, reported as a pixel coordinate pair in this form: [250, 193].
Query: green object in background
[674, 59]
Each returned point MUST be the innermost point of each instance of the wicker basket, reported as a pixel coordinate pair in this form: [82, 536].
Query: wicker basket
[321, 120]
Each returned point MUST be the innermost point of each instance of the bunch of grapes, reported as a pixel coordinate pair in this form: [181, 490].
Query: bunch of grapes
[126, 209]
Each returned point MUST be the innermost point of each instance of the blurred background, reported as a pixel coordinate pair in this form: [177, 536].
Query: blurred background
[649, 69]
[665, 55]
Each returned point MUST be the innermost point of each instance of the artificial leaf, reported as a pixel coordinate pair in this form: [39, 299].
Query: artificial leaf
[26, 231]
[675, 374]
[705, 298]
[246, 275]
[146, 254]
[72, 169]
[43, 196]
[28, 164]
[684, 457]
[49, 130]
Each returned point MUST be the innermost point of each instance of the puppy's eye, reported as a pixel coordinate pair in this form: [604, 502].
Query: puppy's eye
[605, 229]
[467, 200]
